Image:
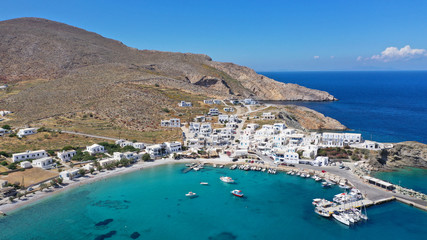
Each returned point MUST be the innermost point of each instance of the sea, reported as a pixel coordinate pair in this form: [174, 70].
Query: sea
[385, 106]
[389, 106]
[151, 204]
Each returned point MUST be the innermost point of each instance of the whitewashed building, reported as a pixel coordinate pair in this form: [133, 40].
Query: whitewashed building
[173, 122]
[331, 139]
[70, 174]
[95, 149]
[216, 101]
[208, 101]
[26, 164]
[66, 156]
[321, 161]
[268, 116]
[213, 112]
[156, 150]
[45, 163]
[29, 155]
[228, 109]
[185, 104]
[250, 101]
[173, 147]
[288, 156]
[26, 131]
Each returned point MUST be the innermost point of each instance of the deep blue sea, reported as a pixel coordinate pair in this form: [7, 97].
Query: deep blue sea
[383, 106]
[151, 202]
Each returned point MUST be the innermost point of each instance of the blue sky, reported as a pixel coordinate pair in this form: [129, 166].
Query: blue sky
[265, 35]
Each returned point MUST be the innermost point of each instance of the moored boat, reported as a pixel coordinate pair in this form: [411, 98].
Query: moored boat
[227, 179]
[204, 183]
[237, 193]
[191, 195]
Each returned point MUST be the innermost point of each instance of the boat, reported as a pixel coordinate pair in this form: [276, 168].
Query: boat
[221, 166]
[237, 193]
[227, 179]
[204, 183]
[326, 185]
[344, 186]
[341, 218]
[191, 195]
[316, 201]
[322, 212]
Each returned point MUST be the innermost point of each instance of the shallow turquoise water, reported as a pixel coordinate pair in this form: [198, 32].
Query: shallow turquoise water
[152, 203]
[414, 178]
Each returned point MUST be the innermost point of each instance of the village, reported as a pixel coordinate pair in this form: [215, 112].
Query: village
[232, 131]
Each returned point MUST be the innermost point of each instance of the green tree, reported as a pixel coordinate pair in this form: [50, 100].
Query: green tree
[19, 195]
[82, 172]
[146, 157]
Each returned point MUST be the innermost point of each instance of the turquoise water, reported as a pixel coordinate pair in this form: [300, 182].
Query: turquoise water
[414, 178]
[152, 203]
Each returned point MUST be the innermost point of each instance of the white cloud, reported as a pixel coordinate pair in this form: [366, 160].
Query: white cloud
[393, 53]
[359, 58]
[332, 57]
[316, 57]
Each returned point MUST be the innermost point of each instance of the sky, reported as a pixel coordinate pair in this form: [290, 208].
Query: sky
[316, 35]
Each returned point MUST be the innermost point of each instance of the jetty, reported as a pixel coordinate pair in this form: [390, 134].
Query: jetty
[358, 204]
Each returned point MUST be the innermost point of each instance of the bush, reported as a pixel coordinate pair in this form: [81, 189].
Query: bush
[166, 110]
[157, 85]
[12, 166]
[4, 163]
[3, 153]
[7, 127]
[51, 152]
[68, 147]
[12, 135]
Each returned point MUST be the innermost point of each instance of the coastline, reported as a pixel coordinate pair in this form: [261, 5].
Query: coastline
[38, 196]
[88, 179]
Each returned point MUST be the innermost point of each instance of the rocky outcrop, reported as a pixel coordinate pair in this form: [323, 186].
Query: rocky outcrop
[302, 117]
[404, 154]
[268, 89]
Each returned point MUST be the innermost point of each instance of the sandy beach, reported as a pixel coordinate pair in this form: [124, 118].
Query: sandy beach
[90, 178]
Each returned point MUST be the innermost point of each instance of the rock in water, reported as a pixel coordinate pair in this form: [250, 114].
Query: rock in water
[104, 223]
[135, 235]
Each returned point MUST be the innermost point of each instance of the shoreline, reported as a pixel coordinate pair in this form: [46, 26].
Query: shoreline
[9, 208]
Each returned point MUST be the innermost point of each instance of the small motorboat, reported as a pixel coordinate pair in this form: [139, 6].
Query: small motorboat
[326, 185]
[227, 179]
[237, 193]
[204, 183]
[191, 195]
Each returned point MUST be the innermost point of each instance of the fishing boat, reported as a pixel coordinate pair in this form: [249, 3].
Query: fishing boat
[237, 193]
[204, 183]
[227, 179]
[191, 195]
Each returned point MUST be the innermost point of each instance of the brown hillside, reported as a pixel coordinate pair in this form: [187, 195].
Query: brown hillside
[87, 72]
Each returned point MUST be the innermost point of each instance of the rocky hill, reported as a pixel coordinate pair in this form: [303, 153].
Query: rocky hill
[404, 154]
[83, 71]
